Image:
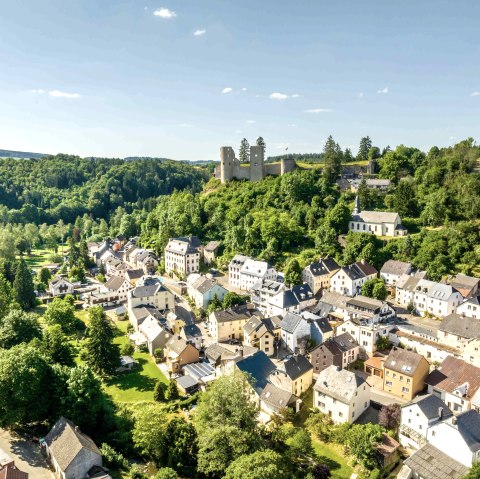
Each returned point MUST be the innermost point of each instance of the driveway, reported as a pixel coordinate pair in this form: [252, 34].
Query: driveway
[27, 455]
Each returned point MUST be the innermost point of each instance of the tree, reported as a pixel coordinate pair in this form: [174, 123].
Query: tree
[56, 347]
[102, 354]
[77, 273]
[383, 343]
[150, 432]
[321, 471]
[233, 299]
[159, 392]
[166, 473]
[362, 441]
[23, 292]
[364, 148]
[172, 392]
[244, 151]
[293, 272]
[182, 447]
[389, 416]
[215, 304]
[61, 312]
[347, 156]
[266, 464]
[320, 424]
[380, 291]
[404, 200]
[18, 327]
[261, 142]
[5, 295]
[44, 275]
[300, 444]
[332, 155]
[25, 379]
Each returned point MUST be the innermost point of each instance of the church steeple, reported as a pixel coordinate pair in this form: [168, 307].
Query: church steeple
[357, 208]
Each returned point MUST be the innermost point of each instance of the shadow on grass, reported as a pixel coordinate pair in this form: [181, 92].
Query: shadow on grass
[134, 379]
[329, 462]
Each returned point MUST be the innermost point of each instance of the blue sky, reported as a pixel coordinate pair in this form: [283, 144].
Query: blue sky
[180, 78]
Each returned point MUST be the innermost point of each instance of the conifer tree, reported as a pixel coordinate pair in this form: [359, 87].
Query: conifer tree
[261, 142]
[244, 152]
[364, 148]
[23, 291]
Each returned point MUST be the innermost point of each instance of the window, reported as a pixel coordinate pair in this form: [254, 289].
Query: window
[321, 404]
[405, 390]
[340, 414]
[388, 383]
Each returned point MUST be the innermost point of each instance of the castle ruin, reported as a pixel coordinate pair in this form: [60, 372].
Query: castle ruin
[230, 167]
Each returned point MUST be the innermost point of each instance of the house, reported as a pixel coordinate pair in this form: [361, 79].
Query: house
[203, 372]
[404, 373]
[210, 252]
[378, 223]
[263, 333]
[105, 299]
[127, 363]
[294, 329]
[71, 452]
[244, 272]
[187, 384]
[202, 290]
[431, 463]
[263, 291]
[317, 275]
[60, 286]
[320, 328]
[133, 275]
[97, 250]
[283, 303]
[457, 383]
[114, 266]
[273, 400]
[470, 307]
[458, 436]
[192, 334]
[418, 416]
[304, 296]
[150, 292]
[228, 324]
[119, 286]
[363, 308]
[338, 351]
[178, 353]
[341, 394]
[467, 286]
[348, 280]
[182, 255]
[377, 184]
[146, 260]
[331, 304]
[140, 313]
[294, 375]
[8, 469]
[156, 333]
[393, 270]
[258, 368]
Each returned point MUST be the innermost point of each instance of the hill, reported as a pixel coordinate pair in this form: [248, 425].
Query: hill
[20, 154]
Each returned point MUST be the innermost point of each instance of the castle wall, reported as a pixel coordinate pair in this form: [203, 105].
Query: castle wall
[227, 160]
[273, 169]
[241, 172]
[287, 165]
[256, 163]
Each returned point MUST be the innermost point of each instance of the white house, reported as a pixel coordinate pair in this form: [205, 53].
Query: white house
[115, 266]
[341, 394]
[317, 275]
[379, 223]
[244, 272]
[437, 299]
[263, 291]
[392, 271]
[118, 285]
[470, 307]
[182, 255]
[294, 329]
[156, 334]
[60, 286]
[349, 279]
[150, 292]
[418, 416]
[459, 332]
[202, 290]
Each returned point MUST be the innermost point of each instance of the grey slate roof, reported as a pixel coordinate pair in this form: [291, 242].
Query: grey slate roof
[396, 267]
[302, 292]
[290, 322]
[323, 325]
[150, 287]
[461, 326]
[134, 273]
[114, 283]
[339, 384]
[430, 406]
[297, 366]
[431, 463]
[176, 344]
[345, 342]
[235, 313]
[212, 246]
[468, 425]
[276, 397]
[187, 381]
[65, 442]
[323, 267]
[403, 361]
[258, 367]
[359, 270]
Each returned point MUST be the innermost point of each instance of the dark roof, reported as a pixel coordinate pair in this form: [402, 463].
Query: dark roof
[65, 441]
[330, 345]
[149, 288]
[290, 322]
[323, 325]
[323, 267]
[345, 342]
[396, 267]
[114, 283]
[12, 473]
[276, 397]
[359, 270]
[297, 366]
[235, 313]
[192, 331]
[134, 273]
[431, 463]
[461, 326]
[403, 361]
[430, 406]
[365, 303]
[468, 425]
[258, 367]
[302, 292]
[455, 374]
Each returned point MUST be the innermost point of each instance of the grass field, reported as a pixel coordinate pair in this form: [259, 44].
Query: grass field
[332, 455]
[38, 257]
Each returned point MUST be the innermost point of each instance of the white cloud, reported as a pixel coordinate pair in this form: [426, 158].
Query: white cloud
[244, 89]
[62, 94]
[453, 138]
[318, 110]
[278, 96]
[199, 32]
[39, 91]
[384, 90]
[227, 90]
[185, 125]
[238, 131]
[295, 95]
[251, 122]
[475, 93]
[292, 125]
[164, 13]
[360, 95]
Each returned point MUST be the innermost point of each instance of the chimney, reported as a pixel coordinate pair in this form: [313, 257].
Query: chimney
[440, 413]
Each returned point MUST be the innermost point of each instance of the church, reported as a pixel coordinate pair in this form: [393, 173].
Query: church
[378, 223]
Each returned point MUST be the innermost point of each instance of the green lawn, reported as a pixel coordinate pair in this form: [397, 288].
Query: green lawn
[332, 455]
[38, 257]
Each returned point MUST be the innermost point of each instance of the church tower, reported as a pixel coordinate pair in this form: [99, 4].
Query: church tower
[357, 208]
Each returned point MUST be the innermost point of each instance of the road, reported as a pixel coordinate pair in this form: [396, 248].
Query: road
[27, 455]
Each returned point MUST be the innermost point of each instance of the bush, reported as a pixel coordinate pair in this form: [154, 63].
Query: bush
[127, 349]
[136, 472]
[113, 458]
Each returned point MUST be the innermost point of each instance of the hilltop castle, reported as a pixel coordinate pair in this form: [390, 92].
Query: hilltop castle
[230, 167]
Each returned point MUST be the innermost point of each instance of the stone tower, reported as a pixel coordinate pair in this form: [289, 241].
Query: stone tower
[227, 159]
[257, 171]
[287, 165]
[357, 208]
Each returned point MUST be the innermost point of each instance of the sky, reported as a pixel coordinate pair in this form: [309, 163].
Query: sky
[180, 78]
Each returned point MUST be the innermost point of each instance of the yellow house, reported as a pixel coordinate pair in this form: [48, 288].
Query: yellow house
[263, 334]
[404, 373]
[228, 324]
[295, 375]
[178, 353]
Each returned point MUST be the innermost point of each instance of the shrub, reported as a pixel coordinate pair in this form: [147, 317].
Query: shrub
[113, 458]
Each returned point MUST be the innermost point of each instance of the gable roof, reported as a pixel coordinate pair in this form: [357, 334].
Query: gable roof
[297, 366]
[359, 270]
[258, 367]
[255, 267]
[323, 325]
[403, 361]
[338, 383]
[396, 267]
[345, 342]
[212, 246]
[462, 326]
[151, 328]
[276, 397]
[150, 287]
[430, 405]
[465, 284]
[134, 273]
[323, 267]
[235, 313]
[114, 283]
[291, 321]
[302, 292]
[468, 425]
[177, 344]
[455, 376]
[65, 441]
[376, 217]
[183, 245]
